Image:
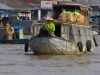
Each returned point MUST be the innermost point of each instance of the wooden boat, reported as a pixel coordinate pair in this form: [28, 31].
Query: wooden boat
[95, 28]
[78, 40]
[70, 38]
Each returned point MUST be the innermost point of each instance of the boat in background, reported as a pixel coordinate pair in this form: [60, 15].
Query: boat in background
[16, 38]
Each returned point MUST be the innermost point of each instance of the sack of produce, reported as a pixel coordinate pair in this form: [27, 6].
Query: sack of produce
[62, 17]
[76, 14]
[79, 17]
[70, 17]
[80, 20]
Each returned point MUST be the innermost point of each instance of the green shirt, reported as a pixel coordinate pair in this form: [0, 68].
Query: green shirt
[51, 26]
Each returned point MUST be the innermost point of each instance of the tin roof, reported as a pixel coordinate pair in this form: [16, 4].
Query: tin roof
[70, 3]
[67, 3]
[3, 6]
[33, 1]
[17, 4]
[95, 8]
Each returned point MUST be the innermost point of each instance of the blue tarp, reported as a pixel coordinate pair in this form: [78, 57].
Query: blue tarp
[17, 27]
[94, 16]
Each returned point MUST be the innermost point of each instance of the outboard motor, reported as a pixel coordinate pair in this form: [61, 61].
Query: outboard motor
[44, 32]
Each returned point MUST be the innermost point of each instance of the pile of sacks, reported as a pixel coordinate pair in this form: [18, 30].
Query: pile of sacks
[67, 16]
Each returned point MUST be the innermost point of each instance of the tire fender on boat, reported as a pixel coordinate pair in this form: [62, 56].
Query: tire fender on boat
[80, 46]
[88, 45]
[26, 47]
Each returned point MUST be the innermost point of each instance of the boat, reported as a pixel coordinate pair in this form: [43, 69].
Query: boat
[16, 38]
[70, 38]
[95, 28]
[80, 41]
[14, 41]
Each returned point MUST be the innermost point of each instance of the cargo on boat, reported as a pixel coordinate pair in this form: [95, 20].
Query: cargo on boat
[71, 37]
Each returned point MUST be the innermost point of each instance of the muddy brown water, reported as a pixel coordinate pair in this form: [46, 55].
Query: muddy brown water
[14, 61]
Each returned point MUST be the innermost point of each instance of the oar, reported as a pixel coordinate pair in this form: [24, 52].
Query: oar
[26, 47]
[95, 42]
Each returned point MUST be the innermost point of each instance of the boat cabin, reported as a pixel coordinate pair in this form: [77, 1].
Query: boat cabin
[70, 38]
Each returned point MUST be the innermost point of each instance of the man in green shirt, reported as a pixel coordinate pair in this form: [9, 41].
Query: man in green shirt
[50, 25]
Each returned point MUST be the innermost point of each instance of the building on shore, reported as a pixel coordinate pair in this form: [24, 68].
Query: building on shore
[84, 2]
[45, 7]
[95, 5]
[19, 7]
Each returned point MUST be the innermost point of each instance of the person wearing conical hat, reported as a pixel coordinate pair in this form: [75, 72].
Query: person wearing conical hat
[50, 25]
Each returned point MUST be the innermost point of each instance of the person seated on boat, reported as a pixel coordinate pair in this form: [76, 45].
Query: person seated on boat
[50, 25]
[9, 31]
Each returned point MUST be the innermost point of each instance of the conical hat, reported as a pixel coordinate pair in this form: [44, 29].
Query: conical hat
[50, 19]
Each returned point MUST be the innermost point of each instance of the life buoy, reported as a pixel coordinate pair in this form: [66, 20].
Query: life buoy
[9, 30]
[88, 45]
[80, 46]
[26, 47]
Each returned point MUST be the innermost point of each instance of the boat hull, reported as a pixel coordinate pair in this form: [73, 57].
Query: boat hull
[54, 45]
[14, 41]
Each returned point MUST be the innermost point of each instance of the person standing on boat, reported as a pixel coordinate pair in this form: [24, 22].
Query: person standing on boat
[50, 25]
[4, 20]
[45, 17]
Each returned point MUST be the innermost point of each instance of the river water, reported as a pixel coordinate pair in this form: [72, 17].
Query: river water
[14, 61]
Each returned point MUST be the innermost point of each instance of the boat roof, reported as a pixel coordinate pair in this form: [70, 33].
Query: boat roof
[59, 5]
[67, 3]
[70, 4]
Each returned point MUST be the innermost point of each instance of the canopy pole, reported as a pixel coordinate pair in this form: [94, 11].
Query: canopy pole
[39, 14]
